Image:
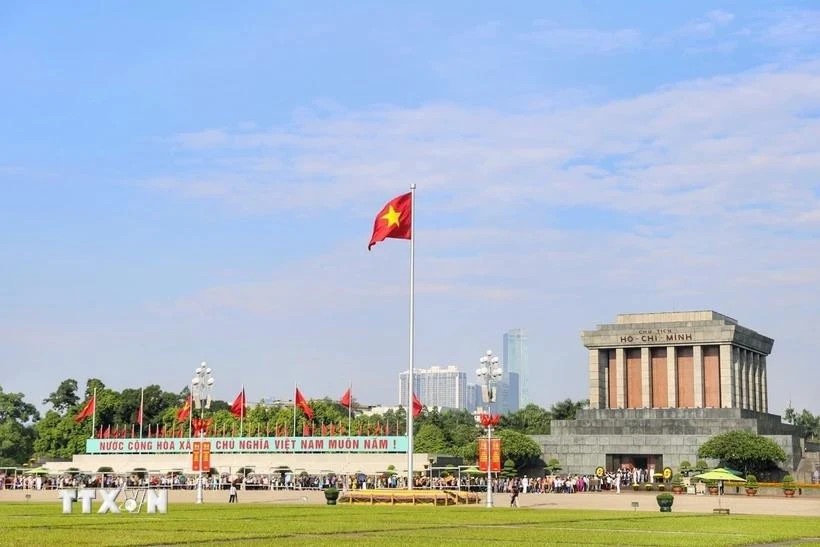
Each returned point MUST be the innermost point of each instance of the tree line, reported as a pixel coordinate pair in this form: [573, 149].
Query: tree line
[26, 436]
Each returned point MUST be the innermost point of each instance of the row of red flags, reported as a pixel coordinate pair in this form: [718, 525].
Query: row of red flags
[238, 406]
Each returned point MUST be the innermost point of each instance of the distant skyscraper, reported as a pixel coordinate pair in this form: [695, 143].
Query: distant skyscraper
[436, 386]
[516, 368]
[473, 399]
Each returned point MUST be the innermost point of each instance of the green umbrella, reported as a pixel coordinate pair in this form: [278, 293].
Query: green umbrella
[38, 471]
[719, 474]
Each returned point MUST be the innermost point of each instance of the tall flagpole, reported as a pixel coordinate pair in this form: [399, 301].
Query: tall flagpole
[142, 409]
[242, 413]
[413, 218]
[295, 387]
[94, 414]
[350, 411]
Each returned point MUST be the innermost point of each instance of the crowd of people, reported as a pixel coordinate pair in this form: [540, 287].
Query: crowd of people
[549, 484]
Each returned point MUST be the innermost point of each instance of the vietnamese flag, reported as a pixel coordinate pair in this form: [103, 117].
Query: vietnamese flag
[299, 401]
[182, 413]
[395, 220]
[87, 410]
[346, 399]
[238, 406]
[417, 406]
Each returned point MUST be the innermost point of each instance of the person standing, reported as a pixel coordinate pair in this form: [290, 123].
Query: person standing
[515, 491]
[233, 497]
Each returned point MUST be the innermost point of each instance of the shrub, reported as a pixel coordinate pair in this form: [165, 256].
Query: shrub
[685, 467]
[751, 481]
[788, 483]
[666, 496]
[677, 480]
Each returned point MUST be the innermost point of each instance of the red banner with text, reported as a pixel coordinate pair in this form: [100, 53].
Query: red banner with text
[201, 456]
[493, 455]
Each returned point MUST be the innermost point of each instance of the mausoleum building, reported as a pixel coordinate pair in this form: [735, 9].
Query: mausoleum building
[662, 384]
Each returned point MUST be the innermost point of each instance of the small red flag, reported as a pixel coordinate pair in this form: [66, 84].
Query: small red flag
[182, 413]
[303, 404]
[395, 220]
[346, 399]
[238, 406]
[305, 430]
[107, 434]
[87, 410]
[417, 406]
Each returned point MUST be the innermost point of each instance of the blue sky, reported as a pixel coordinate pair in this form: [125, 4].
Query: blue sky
[198, 181]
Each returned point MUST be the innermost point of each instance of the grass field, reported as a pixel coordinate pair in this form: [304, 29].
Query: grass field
[262, 524]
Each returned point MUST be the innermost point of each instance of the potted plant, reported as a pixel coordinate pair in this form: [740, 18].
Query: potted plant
[661, 487]
[685, 468]
[789, 486]
[677, 484]
[331, 495]
[713, 487]
[751, 485]
[648, 487]
[636, 487]
[665, 501]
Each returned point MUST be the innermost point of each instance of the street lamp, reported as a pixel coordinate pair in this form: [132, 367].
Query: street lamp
[489, 373]
[201, 386]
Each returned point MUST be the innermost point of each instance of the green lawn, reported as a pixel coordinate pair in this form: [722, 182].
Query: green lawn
[262, 524]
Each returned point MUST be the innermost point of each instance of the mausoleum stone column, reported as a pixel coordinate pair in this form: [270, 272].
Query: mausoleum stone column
[620, 379]
[646, 380]
[697, 373]
[726, 376]
[671, 378]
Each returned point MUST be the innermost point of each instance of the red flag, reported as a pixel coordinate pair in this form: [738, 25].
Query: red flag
[182, 413]
[305, 430]
[88, 410]
[346, 399]
[332, 429]
[140, 413]
[394, 220]
[324, 430]
[286, 431]
[107, 434]
[303, 404]
[238, 406]
[417, 406]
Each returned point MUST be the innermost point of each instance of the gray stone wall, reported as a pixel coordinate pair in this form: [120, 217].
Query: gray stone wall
[582, 444]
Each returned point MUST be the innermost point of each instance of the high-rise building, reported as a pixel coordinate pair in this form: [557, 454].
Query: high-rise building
[516, 368]
[436, 386]
[473, 399]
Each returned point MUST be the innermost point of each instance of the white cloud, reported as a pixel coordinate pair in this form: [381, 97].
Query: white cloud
[583, 40]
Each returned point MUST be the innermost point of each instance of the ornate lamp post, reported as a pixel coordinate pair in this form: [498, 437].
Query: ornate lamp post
[201, 386]
[489, 373]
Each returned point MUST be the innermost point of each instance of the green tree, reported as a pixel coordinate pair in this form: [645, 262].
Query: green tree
[566, 409]
[807, 424]
[743, 450]
[64, 397]
[430, 439]
[532, 420]
[16, 431]
[518, 447]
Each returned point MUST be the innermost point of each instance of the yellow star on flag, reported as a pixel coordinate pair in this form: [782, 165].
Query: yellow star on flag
[392, 217]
